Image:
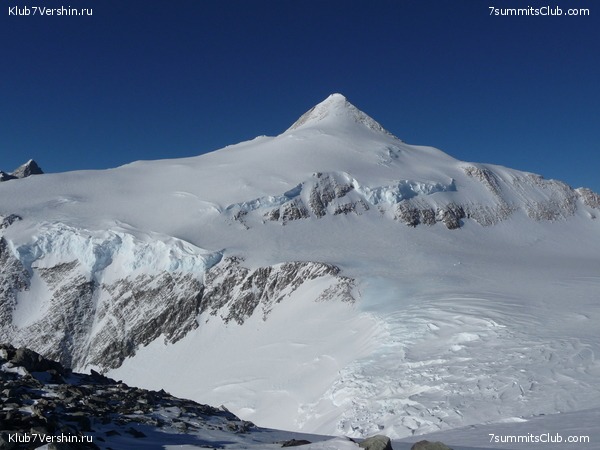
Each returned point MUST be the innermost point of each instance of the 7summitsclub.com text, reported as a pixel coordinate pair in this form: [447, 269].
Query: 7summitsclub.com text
[543, 438]
[45, 11]
[541, 11]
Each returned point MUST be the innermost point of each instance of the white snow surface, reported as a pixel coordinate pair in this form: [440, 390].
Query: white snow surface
[451, 328]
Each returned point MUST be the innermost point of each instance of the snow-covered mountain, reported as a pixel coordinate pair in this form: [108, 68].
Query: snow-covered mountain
[331, 279]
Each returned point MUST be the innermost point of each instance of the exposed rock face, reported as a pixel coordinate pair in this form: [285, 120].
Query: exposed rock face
[171, 302]
[42, 399]
[589, 197]
[294, 443]
[412, 213]
[65, 332]
[378, 442]
[87, 316]
[23, 171]
[6, 176]
[7, 221]
[13, 279]
[235, 292]
[27, 169]
[427, 445]
[414, 203]
[324, 191]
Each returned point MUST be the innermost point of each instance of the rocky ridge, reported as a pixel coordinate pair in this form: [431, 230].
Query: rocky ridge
[23, 171]
[87, 319]
[42, 402]
[415, 203]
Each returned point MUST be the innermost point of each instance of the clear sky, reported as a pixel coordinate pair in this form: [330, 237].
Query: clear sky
[151, 79]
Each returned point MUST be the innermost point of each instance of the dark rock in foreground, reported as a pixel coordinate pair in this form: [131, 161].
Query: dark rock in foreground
[378, 442]
[45, 403]
[427, 445]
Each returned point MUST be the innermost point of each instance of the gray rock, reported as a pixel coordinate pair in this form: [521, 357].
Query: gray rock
[295, 443]
[378, 442]
[427, 445]
[34, 362]
[23, 171]
[27, 169]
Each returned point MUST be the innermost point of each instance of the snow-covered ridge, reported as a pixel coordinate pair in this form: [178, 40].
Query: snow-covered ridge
[336, 110]
[403, 190]
[497, 194]
[104, 254]
[340, 183]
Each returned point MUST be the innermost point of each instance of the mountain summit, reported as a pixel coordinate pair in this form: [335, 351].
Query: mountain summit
[28, 169]
[336, 111]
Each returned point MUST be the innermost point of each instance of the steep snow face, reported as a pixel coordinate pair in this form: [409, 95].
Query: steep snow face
[104, 255]
[336, 111]
[342, 280]
[86, 296]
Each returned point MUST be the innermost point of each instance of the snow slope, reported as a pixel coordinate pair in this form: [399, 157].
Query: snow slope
[332, 279]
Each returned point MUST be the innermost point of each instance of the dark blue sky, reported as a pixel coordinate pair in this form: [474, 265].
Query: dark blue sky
[154, 79]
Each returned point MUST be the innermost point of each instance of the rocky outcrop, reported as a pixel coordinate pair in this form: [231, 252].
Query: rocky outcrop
[84, 318]
[589, 197]
[235, 292]
[86, 322]
[415, 203]
[294, 443]
[7, 221]
[6, 176]
[412, 213]
[539, 198]
[42, 401]
[170, 303]
[23, 171]
[324, 191]
[14, 278]
[428, 445]
[378, 442]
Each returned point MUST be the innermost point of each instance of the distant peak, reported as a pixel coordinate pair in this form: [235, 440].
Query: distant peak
[23, 171]
[336, 110]
[27, 169]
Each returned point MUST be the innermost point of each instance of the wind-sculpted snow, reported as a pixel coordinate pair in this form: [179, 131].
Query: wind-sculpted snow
[434, 383]
[106, 254]
[403, 190]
